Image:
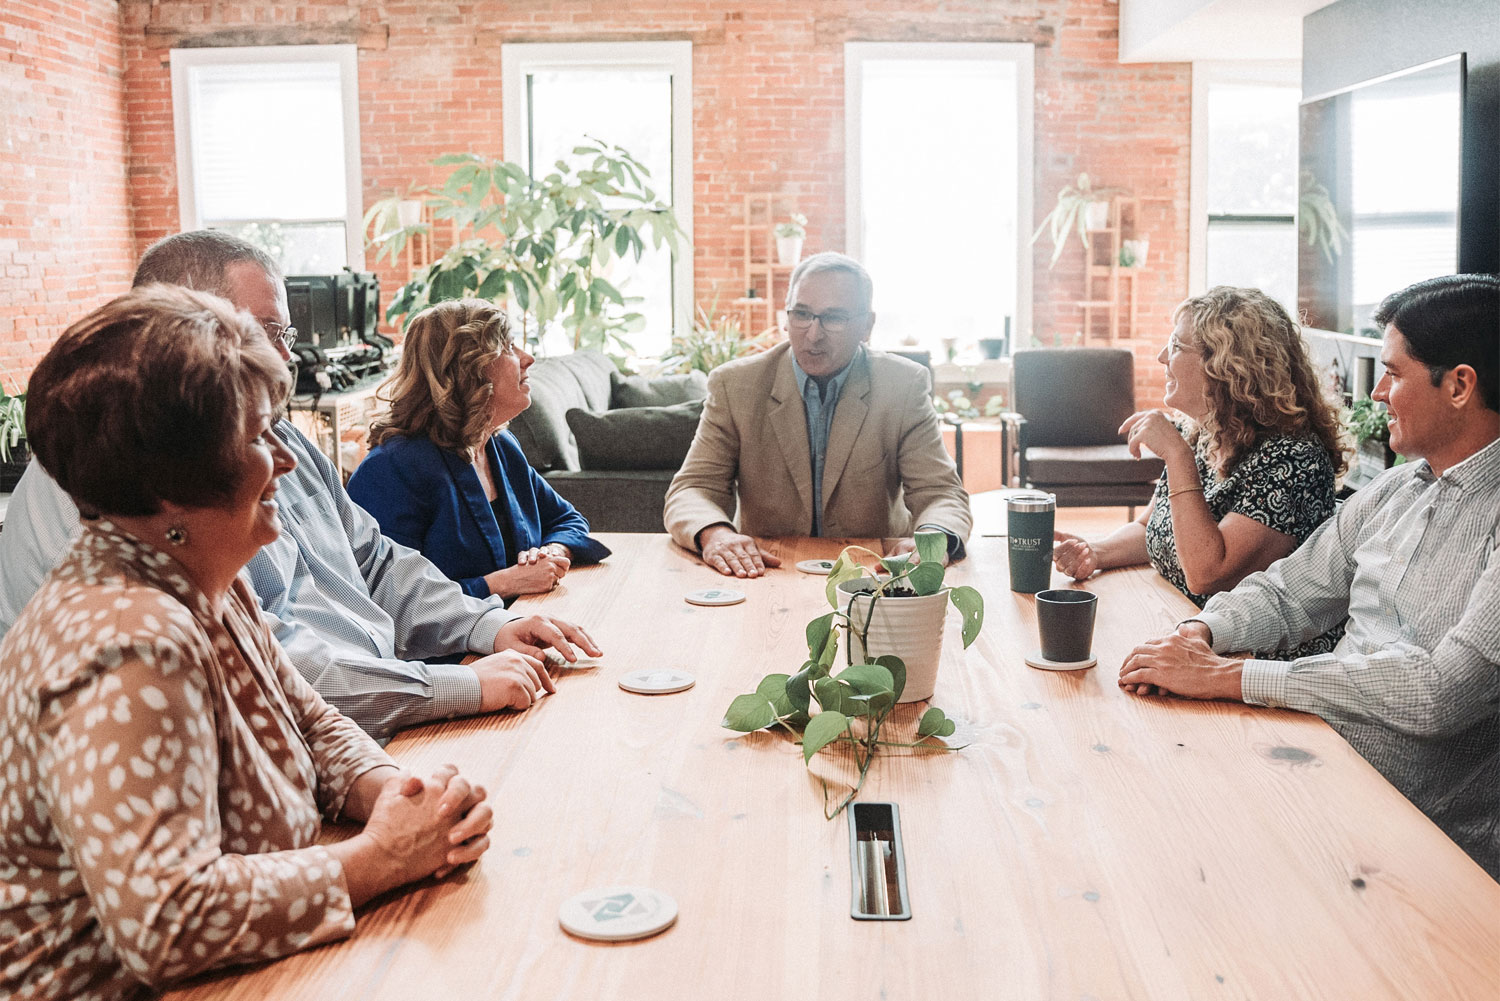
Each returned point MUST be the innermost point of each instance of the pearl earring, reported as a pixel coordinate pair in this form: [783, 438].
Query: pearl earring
[177, 535]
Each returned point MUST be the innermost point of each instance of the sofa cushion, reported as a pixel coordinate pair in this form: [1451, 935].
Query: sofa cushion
[635, 437]
[580, 379]
[662, 391]
[1089, 464]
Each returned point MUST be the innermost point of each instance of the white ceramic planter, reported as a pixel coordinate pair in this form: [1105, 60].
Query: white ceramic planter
[788, 249]
[909, 628]
[1097, 215]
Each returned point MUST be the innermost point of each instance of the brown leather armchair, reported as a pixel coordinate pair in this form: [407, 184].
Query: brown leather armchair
[1064, 436]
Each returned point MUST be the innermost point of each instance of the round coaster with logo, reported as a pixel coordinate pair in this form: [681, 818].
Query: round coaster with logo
[1036, 660]
[714, 596]
[824, 567]
[617, 913]
[657, 681]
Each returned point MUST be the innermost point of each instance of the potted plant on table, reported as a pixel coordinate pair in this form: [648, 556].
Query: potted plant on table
[789, 237]
[894, 626]
[14, 454]
[1369, 424]
[1079, 207]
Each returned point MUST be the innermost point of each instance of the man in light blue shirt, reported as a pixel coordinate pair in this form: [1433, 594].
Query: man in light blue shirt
[370, 623]
[1413, 560]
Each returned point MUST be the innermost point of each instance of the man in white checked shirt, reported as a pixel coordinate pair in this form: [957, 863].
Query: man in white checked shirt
[372, 625]
[1412, 560]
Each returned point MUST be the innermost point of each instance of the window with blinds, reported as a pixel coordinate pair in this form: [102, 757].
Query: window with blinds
[268, 149]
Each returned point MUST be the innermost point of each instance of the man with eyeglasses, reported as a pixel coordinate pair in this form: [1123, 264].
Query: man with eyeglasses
[820, 436]
[371, 624]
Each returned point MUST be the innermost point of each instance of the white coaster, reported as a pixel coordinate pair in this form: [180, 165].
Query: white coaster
[617, 913]
[714, 596]
[1035, 659]
[583, 663]
[657, 681]
[824, 567]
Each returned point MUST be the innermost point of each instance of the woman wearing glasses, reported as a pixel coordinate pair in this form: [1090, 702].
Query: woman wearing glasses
[164, 764]
[1250, 472]
[445, 478]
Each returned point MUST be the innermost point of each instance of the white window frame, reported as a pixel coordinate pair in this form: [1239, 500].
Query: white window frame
[347, 58]
[520, 59]
[1023, 55]
[1206, 75]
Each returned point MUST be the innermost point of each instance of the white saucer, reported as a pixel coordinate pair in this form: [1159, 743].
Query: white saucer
[823, 567]
[714, 596]
[617, 913]
[1035, 659]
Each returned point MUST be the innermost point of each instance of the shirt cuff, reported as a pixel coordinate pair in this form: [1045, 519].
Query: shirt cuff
[455, 690]
[1219, 628]
[1264, 682]
[482, 636]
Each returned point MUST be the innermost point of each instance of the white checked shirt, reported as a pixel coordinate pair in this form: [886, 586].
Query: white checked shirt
[1414, 685]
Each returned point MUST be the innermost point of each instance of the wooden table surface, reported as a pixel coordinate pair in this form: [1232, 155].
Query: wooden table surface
[1087, 844]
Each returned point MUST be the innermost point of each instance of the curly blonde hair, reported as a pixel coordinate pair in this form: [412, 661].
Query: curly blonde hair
[1260, 379]
[439, 390]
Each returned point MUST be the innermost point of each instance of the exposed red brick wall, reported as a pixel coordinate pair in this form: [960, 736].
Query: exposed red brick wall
[65, 231]
[768, 108]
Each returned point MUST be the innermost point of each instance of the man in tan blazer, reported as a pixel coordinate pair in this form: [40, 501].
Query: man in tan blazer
[820, 436]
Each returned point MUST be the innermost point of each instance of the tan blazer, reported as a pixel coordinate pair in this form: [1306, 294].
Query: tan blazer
[885, 472]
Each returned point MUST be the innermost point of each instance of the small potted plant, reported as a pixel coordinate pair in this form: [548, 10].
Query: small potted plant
[885, 617]
[789, 237]
[1369, 425]
[1081, 207]
[13, 451]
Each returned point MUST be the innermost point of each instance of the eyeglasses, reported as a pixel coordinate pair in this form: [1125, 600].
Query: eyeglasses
[800, 319]
[279, 332]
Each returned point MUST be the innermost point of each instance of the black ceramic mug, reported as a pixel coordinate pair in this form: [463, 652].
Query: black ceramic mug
[1065, 619]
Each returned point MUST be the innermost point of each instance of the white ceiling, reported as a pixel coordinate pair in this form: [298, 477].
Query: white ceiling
[1190, 30]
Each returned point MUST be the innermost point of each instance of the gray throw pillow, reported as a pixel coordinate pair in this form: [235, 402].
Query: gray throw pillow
[662, 391]
[635, 437]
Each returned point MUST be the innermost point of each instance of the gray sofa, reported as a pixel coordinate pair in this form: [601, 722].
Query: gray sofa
[608, 443]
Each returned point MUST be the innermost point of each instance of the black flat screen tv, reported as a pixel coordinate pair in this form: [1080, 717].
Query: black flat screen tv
[1379, 191]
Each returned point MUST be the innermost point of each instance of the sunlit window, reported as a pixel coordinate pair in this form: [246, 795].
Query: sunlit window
[939, 162]
[268, 148]
[636, 95]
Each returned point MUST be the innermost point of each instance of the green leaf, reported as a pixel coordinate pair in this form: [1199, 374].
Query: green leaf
[970, 604]
[819, 632]
[829, 693]
[926, 578]
[798, 690]
[821, 730]
[932, 722]
[932, 547]
[867, 679]
[896, 564]
[844, 568]
[748, 713]
[897, 667]
[772, 686]
[493, 285]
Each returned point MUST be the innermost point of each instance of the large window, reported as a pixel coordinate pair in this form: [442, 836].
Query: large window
[637, 95]
[1245, 178]
[268, 147]
[938, 140]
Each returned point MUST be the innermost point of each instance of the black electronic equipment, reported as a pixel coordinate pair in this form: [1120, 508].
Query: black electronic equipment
[338, 343]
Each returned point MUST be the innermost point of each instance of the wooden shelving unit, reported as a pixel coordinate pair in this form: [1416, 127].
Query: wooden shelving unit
[1109, 291]
[767, 279]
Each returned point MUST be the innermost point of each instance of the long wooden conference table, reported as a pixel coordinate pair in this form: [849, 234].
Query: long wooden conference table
[1085, 844]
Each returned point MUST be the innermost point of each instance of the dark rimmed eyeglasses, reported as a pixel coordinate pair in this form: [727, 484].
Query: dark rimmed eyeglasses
[280, 333]
[832, 322]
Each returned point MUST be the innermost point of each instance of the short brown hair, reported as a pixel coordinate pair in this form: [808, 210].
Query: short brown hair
[145, 399]
[1260, 378]
[439, 391]
[198, 259]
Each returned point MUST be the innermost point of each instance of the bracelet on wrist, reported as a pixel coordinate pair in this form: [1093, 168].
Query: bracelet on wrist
[1184, 490]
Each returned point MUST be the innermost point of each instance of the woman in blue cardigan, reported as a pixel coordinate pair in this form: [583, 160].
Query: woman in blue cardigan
[445, 478]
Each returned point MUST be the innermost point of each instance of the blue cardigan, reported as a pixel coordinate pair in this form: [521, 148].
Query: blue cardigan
[430, 499]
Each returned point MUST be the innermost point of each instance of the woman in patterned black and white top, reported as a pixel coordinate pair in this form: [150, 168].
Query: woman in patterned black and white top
[1250, 472]
[164, 765]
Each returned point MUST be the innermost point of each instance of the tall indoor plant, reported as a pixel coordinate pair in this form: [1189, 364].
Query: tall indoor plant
[853, 707]
[1072, 214]
[541, 243]
[14, 453]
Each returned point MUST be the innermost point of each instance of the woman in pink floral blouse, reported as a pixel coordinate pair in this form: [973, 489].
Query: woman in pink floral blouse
[162, 765]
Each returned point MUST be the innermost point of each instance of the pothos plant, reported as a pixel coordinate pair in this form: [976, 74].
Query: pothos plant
[853, 707]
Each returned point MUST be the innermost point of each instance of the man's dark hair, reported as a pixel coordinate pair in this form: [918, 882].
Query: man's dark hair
[198, 259]
[1450, 321]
